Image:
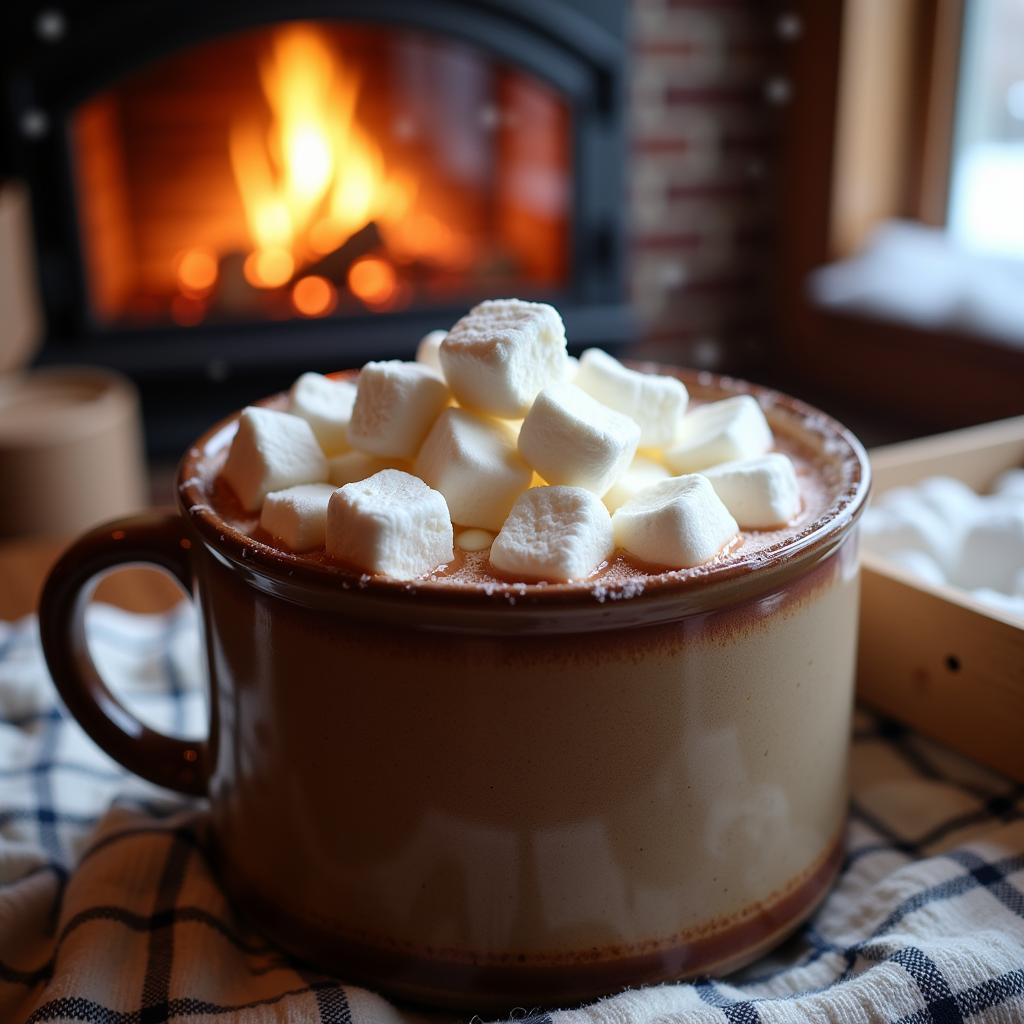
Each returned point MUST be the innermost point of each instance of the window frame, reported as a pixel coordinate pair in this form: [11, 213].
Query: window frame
[939, 379]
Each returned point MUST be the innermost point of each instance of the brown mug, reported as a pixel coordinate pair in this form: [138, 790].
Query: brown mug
[524, 795]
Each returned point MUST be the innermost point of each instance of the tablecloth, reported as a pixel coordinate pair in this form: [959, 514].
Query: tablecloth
[110, 914]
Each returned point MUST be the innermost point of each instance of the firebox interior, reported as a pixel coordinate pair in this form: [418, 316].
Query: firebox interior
[308, 169]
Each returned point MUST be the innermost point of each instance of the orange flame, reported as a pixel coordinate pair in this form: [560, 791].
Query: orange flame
[373, 280]
[197, 271]
[316, 176]
[314, 296]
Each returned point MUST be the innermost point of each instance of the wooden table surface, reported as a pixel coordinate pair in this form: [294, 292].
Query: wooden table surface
[24, 565]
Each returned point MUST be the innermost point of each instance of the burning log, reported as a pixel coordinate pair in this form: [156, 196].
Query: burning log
[233, 296]
[237, 293]
[334, 266]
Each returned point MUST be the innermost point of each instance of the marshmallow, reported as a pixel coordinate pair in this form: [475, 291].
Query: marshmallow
[326, 405]
[1010, 483]
[502, 353]
[1005, 604]
[475, 540]
[919, 564]
[428, 348]
[654, 401]
[992, 550]
[297, 516]
[390, 523]
[761, 493]
[679, 522]
[473, 462]
[952, 501]
[271, 450]
[570, 368]
[894, 497]
[571, 438]
[734, 428]
[932, 516]
[555, 534]
[903, 527]
[349, 467]
[396, 404]
[641, 473]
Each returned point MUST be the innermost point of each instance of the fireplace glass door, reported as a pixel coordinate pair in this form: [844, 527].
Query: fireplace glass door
[314, 169]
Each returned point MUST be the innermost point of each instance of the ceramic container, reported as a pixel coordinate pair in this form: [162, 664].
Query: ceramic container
[527, 796]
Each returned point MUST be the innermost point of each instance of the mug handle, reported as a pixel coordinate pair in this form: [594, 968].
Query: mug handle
[152, 538]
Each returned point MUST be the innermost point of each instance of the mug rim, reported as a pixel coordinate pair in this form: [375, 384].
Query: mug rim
[291, 574]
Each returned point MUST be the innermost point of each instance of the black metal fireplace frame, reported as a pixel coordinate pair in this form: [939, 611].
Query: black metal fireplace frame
[578, 46]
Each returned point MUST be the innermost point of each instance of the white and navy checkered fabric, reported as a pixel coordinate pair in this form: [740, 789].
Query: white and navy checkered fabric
[109, 913]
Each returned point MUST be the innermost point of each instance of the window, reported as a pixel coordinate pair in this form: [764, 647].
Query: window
[890, 104]
[986, 209]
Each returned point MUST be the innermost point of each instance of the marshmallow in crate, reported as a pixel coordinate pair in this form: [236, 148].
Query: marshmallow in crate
[942, 608]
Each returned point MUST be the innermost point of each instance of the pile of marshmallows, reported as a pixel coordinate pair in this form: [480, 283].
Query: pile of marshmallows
[496, 428]
[942, 532]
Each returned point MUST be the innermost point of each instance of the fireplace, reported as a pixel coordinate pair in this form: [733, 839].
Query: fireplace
[226, 194]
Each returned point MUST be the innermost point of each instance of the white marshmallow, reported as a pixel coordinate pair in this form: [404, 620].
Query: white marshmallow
[571, 438]
[895, 497]
[428, 348]
[297, 516]
[734, 428]
[1005, 604]
[952, 501]
[570, 368]
[1010, 483]
[390, 523]
[502, 353]
[271, 450]
[919, 564]
[396, 404]
[992, 550]
[903, 527]
[475, 540]
[326, 405]
[473, 462]
[945, 506]
[349, 467]
[641, 473]
[654, 401]
[680, 522]
[761, 492]
[554, 534]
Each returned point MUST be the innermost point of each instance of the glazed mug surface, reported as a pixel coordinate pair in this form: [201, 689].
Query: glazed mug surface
[514, 796]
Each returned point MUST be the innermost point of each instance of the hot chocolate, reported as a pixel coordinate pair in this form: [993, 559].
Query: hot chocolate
[480, 792]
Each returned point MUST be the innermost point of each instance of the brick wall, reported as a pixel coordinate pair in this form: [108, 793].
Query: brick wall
[704, 107]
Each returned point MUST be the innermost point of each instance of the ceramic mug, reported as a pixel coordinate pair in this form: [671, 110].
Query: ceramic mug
[523, 797]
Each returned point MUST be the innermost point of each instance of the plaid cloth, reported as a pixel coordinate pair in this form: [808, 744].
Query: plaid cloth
[109, 913]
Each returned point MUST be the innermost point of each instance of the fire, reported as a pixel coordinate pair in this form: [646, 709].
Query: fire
[314, 296]
[197, 271]
[373, 280]
[269, 267]
[316, 176]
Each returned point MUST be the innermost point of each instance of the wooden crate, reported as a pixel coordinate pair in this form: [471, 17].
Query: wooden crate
[932, 656]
